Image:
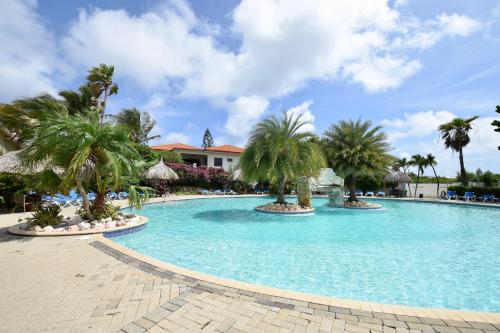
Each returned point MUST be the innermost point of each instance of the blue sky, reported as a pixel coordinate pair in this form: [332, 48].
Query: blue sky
[408, 65]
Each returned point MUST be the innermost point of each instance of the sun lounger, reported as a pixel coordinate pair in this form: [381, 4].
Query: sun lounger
[218, 192]
[229, 192]
[359, 192]
[369, 194]
[380, 194]
[468, 196]
[486, 197]
[112, 195]
[62, 200]
[122, 195]
[258, 191]
[266, 191]
[451, 195]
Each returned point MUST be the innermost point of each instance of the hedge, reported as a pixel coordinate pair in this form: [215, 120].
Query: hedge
[478, 191]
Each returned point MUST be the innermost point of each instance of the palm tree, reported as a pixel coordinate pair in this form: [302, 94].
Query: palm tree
[100, 82]
[91, 155]
[78, 101]
[355, 149]
[404, 164]
[139, 123]
[279, 151]
[420, 162]
[455, 135]
[431, 161]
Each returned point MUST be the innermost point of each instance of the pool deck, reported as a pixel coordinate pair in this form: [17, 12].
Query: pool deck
[70, 284]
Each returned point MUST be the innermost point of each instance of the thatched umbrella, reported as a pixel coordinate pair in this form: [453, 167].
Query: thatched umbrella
[161, 171]
[397, 177]
[237, 175]
[10, 162]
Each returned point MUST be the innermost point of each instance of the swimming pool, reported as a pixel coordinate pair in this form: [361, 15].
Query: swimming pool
[412, 253]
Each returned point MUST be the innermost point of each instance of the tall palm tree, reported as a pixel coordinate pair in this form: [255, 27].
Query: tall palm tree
[100, 81]
[355, 149]
[455, 135]
[139, 123]
[78, 101]
[431, 161]
[91, 155]
[420, 162]
[279, 151]
[404, 164]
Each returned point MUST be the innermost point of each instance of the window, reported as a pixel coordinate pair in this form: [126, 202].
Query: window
[230, 160]
[217, 161]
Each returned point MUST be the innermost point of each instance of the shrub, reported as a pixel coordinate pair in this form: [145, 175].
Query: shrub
[108, 211]
[46, 216]
[478, 191]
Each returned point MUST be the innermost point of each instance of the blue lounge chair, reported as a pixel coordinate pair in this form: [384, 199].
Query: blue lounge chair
[380, 194]
[62, 200]
[204, 191]
[369, 194]
[451, 195]
[218, 192]
[91, 196]
[468, 196]
[229, 191]
[257, 190]
[112, 195]
[486, 197]
[122, 195]
[265, 191]
[359, 192]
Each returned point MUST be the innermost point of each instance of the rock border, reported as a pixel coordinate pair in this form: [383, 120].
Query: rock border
[376, 206]
[15, 230]
[312, 210]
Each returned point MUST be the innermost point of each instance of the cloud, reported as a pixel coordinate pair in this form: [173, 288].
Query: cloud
[243, 114]
[176, 137]
[458, 25]
[303, 109]
[417, 124]
[28, 54]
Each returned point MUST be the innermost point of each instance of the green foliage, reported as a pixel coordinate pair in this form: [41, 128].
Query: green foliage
[152, 156]
[370, 183]
[355, 149]
[478, 191]
[279, 151]
[46, 216]
[139, 123]
[208, 140]
[496, 123]
[11, 184]
[108, 210]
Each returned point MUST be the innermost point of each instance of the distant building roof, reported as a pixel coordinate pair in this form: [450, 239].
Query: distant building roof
[227, 149]
[173, 146]
[181, 146]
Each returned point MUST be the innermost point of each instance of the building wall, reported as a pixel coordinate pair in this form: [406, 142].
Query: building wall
[428, 189]
[226, 164]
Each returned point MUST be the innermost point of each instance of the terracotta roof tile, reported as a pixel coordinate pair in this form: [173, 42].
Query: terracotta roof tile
[173, 146]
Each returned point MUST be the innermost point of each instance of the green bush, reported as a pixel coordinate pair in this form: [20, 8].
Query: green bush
[11, 184]
[46, 216]
[108, 211]
[478, 191]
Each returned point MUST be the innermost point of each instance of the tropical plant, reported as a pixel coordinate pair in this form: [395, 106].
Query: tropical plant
[46, 216]
[455, 135]
[208, 140]
[496, 123]
[402, 164]
[431, 161]
[139, 123]
[78, 101]
[100, 82]
[89, 153]
[420, 162]
[280, 151]
[355, 149]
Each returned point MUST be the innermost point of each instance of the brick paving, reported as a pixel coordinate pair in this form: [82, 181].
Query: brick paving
[69, 284]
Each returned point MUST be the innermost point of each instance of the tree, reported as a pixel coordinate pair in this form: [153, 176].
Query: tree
[208, 140]
[91, 155]
[280, 151]
[404, 164]
[139, 123]
[496, 123]
[455, 135]
[100, 82]
[355, 149]
[431, 161]
[488, 178]
[420, 162]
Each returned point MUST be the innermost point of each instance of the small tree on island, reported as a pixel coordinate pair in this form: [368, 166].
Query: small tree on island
[496, 123]
[279, 151]
[208, 140]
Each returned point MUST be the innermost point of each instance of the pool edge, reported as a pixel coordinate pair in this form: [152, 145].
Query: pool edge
[284, 295]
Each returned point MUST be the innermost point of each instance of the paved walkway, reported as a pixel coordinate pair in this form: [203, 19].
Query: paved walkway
[75, 284]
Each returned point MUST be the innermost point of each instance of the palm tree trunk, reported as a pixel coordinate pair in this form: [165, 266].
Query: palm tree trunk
[281, 190]
[352, 190]
[99, 201]
[437, 180]
[86, 202]
[463, 174]
[416, 185]
[104, 105]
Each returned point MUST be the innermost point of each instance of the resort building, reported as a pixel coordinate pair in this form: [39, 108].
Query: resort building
[225, 156]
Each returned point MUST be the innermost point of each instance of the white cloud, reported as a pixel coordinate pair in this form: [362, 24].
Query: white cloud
[28, 56]
[243, 114]
[303, 109]
[176, 137]
[417, 124]
[458, 25]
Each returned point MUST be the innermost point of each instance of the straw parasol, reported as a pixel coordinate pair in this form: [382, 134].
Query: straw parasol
[161, 171]
[237, 175]
[397, 177]
[10, 162]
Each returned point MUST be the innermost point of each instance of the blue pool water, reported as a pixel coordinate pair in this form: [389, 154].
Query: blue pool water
[419, 254]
